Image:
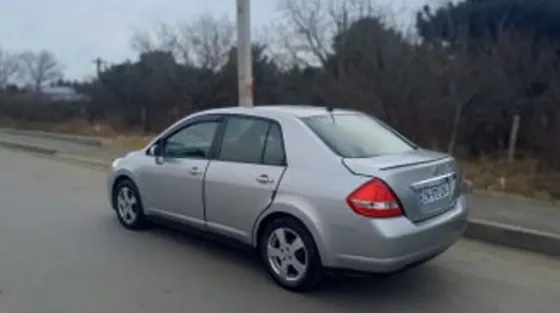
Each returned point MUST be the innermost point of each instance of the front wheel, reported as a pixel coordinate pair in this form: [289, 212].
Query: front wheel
[128, 205]
[290, 255]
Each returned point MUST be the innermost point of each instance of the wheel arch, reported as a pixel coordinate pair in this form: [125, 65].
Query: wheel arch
[306, 218]
[121, 177]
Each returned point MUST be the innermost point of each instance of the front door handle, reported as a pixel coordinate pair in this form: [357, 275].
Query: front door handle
[264, 179]
[195, 171]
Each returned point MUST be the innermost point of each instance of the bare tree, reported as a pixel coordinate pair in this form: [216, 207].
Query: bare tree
[9, 67]
[307, 26]
[204, 42]
[162, 37]
[211, 40]
[527, 64]
[40, 68]
[461, 92]
[459, 69]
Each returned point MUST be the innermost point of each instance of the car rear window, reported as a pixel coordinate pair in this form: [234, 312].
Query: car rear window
[357, 135]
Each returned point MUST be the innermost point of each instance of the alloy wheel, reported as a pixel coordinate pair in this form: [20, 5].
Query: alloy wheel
[287, 254]
[127, 205]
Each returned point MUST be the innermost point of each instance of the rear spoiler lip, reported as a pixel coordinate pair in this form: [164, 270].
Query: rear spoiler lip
[387, 168]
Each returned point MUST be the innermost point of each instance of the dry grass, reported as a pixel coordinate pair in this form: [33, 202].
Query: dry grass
[74, 127]
[110, 137]
[128, 142]
[521, 178]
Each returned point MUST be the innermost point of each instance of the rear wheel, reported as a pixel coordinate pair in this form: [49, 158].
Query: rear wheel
[290, 255]
[128, 205]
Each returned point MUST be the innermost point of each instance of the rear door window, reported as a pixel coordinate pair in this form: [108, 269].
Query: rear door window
[244, 140]
[274, 153]
[356, 135]
[252, 140]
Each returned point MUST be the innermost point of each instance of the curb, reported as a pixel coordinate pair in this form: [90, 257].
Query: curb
[28, 148]
[54, 152]
[490, 232]
[514, 237]
[81, 160]
[88, 141]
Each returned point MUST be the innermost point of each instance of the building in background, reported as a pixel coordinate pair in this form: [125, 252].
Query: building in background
[63, 93]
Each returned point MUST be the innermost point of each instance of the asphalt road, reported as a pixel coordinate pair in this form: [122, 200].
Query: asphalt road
[62, 251]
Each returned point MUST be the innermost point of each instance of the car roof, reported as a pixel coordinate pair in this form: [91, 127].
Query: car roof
[299, 111]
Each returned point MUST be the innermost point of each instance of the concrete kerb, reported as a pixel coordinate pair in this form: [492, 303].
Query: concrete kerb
[82, 160]
[28, 148]
[514, 237]
[89, 141]
[501, 234]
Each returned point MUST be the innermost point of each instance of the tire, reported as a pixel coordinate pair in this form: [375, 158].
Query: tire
[296, 268]
[128, 206]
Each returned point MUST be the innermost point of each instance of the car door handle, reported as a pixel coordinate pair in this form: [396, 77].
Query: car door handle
[195, 171]
[264, 179]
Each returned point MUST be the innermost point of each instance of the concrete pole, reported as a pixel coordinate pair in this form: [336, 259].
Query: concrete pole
[244, 57]
[98, 65]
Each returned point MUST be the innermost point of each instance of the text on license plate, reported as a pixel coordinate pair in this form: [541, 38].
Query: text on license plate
[434, 193]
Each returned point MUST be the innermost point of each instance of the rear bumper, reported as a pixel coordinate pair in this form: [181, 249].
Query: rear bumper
[384, 246]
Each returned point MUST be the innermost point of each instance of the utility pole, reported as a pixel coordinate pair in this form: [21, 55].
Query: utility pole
[98, 64]
[244, 57]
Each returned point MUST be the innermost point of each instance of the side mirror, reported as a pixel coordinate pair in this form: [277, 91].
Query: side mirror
[155, 149]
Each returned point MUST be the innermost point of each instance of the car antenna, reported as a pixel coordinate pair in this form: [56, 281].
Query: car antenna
[331, 110]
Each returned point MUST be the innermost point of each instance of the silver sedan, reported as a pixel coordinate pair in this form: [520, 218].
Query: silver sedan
[311, 189]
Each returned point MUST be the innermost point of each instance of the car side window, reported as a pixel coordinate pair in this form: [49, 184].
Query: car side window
[244, 140]
[274, 153]
[193, 141]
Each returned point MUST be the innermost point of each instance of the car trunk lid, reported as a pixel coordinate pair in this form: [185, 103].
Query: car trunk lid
[424, 181]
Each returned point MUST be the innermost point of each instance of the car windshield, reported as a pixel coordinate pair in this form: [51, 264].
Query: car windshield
[357, 135]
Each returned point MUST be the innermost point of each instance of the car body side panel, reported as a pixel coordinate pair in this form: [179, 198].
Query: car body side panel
[234, 197]
[348, 240]
[315, 185]
[128, 166]
[297, 207]
[176, 189]
[317, 200]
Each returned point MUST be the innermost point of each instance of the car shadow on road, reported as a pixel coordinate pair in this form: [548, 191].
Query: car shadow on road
[417, 283]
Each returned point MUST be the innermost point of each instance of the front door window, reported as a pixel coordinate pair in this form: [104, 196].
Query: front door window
[193, 141]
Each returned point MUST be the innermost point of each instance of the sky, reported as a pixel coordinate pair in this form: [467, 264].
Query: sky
[77, 31]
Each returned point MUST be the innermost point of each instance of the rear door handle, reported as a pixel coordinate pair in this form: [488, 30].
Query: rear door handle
[264, 179]
[195, 171]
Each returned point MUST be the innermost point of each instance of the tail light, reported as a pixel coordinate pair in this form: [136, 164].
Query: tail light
[375, 199]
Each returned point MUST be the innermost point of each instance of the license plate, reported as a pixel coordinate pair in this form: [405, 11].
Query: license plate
[434, 193]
